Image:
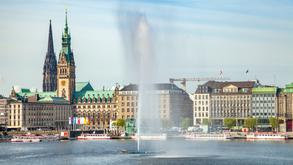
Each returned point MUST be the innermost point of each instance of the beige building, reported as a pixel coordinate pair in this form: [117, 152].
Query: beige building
[225, 100]
[4, 107]
[32, 110]
[98, 106]
[174, 103]
[201, 108]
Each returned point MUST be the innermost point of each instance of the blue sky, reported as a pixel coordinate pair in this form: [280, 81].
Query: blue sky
[191, 39]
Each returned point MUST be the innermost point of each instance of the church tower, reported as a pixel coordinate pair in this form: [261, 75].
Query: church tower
[66, 67]
[50, 66]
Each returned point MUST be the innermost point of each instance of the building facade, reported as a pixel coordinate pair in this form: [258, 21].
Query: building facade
[264, 104]
[216, 101]
[98, 106]
[285, 108]
[38, 112]
[4, 109]
[201, 108]
[173, 103]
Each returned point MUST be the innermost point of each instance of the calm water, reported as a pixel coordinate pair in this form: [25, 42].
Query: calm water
[168, 152]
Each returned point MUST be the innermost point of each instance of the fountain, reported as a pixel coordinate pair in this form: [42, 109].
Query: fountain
[142, 61]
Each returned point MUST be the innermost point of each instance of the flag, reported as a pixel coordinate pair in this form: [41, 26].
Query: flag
[78, 120]
[69, 121]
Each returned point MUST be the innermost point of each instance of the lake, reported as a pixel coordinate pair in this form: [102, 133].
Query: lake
[157, 152]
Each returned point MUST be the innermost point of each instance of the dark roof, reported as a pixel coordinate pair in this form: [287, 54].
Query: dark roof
[239, 84]
[157, 86]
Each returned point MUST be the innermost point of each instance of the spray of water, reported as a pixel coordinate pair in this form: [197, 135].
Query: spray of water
[137, 40]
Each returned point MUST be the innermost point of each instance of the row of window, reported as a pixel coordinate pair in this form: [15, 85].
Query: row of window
[201, 114]
[201, 97]
[263, 114]
[94, 106]
[263, 107]
[128, 110]
[201, 103]
[201, 108]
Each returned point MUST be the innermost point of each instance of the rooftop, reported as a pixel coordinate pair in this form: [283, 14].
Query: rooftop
[157, 86]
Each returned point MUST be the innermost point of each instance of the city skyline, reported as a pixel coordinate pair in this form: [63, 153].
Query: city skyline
[231, 37]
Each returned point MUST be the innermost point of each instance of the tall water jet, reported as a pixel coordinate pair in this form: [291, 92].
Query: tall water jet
[141, 59]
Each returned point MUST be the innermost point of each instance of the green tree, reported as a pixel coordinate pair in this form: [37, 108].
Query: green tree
[274, 123]
[120, 122]
[185, 122]
[229, 122]
[250, 123]
[206, 122]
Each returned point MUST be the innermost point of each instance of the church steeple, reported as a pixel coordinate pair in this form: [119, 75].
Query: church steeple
[50, 66]
[66, 67]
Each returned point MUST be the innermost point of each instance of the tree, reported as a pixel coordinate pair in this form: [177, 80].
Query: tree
[120, 122]
[250, 123]
[274, 123]
[229, 122]
[185, 122]
[206, 122]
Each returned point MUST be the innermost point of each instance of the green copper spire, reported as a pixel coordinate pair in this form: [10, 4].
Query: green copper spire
[66, 25]
[66, 41]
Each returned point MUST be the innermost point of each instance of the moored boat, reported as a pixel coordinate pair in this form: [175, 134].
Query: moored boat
[25, 139]
[206, 136]
[150, 137]
[93, 137]
[266, 136]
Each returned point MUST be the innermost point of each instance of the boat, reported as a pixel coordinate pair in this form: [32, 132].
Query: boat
[5, 138]
[150, 137]
[25, 139]
[206, 136]
[266, 136]
[93, 136]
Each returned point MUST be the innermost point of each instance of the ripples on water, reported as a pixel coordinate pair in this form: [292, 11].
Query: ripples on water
[168, 152]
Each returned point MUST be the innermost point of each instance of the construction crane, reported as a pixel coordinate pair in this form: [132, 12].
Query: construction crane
[184, 80]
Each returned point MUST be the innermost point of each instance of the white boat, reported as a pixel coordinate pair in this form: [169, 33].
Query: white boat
[266, 136]
[150, 137]
[93, 137]
[25, 139]
[206, 136]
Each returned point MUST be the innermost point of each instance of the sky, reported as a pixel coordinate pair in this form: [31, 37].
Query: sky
[191, 38]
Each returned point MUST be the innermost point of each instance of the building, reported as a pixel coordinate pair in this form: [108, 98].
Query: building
[38, 110]
[201, 105]
[4, 108]
[264, 104]
[285, 108]
[50, 66]
[174, 104]
[66, 67]
[219, 100]
[98, 106]
[51, 108]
